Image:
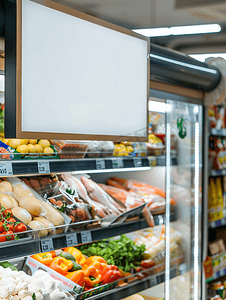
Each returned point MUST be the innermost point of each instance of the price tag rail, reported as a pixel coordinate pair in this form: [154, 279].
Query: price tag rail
[57, 166]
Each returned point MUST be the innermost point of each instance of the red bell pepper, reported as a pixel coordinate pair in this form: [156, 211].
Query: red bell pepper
[110, 273]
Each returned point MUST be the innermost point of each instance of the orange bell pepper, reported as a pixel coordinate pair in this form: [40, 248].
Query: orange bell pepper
[92, 277]
[97, 261]
[45, 258]
[80, 258]
[93, 259]
[61, 265]
[76, 276]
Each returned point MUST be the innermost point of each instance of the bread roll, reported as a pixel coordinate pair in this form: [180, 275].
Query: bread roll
[22, 214]
[31, 204]
[38, 225]
[45, 222]
[15, 203]
[20, 191]
[5, 201]
[6, 187]
[52, 214]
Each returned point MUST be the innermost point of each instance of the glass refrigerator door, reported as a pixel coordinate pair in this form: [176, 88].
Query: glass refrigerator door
[183, 185]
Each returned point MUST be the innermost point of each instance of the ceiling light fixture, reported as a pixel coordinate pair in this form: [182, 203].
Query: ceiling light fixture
[179, 30]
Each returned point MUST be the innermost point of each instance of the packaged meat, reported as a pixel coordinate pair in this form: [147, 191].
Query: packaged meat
[71, 149]
[77, 185]
[115, 192]
[94, 149]
[97, 194]
[45, 186]
[78, 212]
[107, 149]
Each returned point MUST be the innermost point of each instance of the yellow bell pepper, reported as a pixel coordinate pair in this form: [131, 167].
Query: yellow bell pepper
[45, 258]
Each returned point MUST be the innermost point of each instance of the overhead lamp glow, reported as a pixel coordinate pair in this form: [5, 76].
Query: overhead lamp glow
[156, 106]
[179, 30]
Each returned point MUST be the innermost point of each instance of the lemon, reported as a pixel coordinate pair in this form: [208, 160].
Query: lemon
[44, 143]
[24, 142]
[14, 143]
[48, 150]
[23, 149]
[31, 148]
[38, 148]
[33, 142]
[5, 141]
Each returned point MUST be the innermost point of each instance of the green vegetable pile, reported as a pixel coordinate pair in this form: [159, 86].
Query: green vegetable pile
[123, 253]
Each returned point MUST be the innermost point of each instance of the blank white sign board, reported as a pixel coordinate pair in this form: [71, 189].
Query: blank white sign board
[79, 77]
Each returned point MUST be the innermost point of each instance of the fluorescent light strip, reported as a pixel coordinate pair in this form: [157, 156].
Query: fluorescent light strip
[167, 224]
[196, 229]
[113, 170]
[179, 30]
[202, 57]
[156, 106]
[183, 64]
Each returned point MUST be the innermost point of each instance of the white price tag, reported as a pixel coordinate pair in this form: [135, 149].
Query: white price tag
[71, 239]
[86, 236]
[43, 167]
[137, 162]
[6, 169]
[117, 163]
[47, 245]
[100, 164]
[153, 281]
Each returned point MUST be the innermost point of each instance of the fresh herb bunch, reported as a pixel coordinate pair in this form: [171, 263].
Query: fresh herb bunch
[123, 252]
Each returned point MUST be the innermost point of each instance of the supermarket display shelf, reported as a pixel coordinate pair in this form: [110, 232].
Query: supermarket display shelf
[83, 235]
[214, 173]
[217, 223]
[86, 165]
[216, 275]
[218, 132]
[138, 285]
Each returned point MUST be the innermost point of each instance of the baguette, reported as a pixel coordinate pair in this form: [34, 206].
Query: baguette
[52, 214]
[22, 214]
[45, 222]
[31, 204]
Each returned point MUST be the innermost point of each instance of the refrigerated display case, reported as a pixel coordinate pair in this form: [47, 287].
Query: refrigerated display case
[174, 171]
[178, 172]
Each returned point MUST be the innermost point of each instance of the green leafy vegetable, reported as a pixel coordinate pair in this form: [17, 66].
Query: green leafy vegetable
[33, 297]
[123, 252]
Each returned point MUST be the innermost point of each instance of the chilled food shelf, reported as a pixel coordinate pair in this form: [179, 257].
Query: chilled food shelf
[216, 275]
[218, 223]
[218, 132]
[138, 286]
[214, 173]
[84, 235]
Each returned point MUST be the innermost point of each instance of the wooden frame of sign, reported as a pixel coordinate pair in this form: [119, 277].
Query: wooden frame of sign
[52, 135]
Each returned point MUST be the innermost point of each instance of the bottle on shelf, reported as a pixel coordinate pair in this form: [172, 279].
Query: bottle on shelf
[212, 200]
[220, 200]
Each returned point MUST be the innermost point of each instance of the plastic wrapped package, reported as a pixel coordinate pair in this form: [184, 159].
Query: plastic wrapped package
[94, 149]
[43, 215]
[46, 186]
[78, 212]
[71, 149]
[107, 149]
